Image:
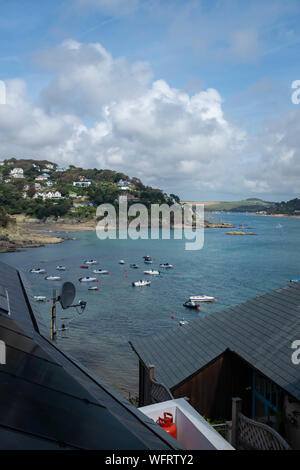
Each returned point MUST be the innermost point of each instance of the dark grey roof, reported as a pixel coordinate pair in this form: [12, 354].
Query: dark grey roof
[49, 401]
[261, 331]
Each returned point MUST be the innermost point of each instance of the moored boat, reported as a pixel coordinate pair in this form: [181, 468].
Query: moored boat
[141, 283]
[91, 261]
[60, 268]
[100, 271]
[40, 298]
[201, 298]
[190, 304]
[53, 278]
[166, 266]
[88, 279]
[183, 322]
[37, 271]
[93, 288]
[152, 272]
[134, 266]
[84, 267]
[121, 261]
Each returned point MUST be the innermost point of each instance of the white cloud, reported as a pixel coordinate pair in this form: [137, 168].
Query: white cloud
[163, 135]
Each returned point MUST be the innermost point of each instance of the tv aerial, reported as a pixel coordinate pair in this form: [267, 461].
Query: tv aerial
[65, 298]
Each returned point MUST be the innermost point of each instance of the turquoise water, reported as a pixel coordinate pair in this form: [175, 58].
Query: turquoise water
[231, 268]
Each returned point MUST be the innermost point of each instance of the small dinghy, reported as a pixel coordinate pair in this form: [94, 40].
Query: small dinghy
[84, 267]
[183, 322]
[91, 261]
[88, 279]
[121, 261]
[152, 272]
[201, 298]
[40, 298]
[60, 268]
[134, 266]
[189, 304]
[166, 266]
[93, 288]
[100, 271]
[38, 271]
[53, 278]
[141, 283]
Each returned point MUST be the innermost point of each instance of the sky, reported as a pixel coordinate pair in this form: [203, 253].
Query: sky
[191, 96]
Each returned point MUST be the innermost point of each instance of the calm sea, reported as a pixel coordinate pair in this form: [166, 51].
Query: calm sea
[231, 268]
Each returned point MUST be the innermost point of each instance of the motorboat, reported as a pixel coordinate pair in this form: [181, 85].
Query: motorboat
[40, 298]
[135, 266]
[93, 288]
[60, 268]
[91, 261]
[183, 322]
[166, 266]
[201, 298]
[190, 304]
[38, 271]
[121, 261]
[146, 256]
[295, 280]
[100, 271]
[141, 283]
[152, 272]
[88, 279]
[53, 278]
[148, 261]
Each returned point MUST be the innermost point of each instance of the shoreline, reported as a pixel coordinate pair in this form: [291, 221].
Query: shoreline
[30, 233]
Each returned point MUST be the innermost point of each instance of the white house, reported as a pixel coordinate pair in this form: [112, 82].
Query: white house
[82, 184]
[49, 183]
[41, 178]
[17, 173]
[50, 166]
[49, 195]
[37, 186]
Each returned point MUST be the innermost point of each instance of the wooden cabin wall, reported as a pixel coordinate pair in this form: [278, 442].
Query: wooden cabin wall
[211, 390]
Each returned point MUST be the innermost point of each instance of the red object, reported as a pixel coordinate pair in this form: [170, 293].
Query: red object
[167, 424]
[172, 316]
[84, 267]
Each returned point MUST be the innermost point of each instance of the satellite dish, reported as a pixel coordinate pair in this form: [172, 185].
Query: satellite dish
[67, 295]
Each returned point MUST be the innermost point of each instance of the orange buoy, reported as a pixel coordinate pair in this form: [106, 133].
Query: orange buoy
[167, 424]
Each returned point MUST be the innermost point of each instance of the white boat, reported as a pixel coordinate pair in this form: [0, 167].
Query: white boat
[38, 271]
[93, 288]
[40, 298]
[166, 266]
[121, 261]
[88, 279]
[183, 322]
[152, 272]
[134, 266]
[201, 298]
[53, 278]
[148, 261]
[91, 261]
[100, 271]
[60, 268]
[141, 283]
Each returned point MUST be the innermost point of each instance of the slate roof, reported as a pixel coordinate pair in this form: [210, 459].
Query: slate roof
[261, 331]
[48, 400]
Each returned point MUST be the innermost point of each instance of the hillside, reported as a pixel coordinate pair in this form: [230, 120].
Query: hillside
[41, 189]
[247, 205]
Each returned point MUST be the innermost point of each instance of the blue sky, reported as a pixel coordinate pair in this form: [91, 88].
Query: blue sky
[246, 51]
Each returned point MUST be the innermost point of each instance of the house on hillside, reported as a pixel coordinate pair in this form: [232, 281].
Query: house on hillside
[244, 351]
[82, 184]
[50, 166]
[128, 197]
[17, 173]
[41, 178]
[49, 195]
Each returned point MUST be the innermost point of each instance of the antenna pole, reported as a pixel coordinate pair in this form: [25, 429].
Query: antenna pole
[53, 316]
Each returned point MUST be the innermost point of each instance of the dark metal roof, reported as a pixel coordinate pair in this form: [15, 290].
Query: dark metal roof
[49, 401]
[261, 331]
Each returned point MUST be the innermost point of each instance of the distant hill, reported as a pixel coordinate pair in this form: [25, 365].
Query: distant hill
[246, 205]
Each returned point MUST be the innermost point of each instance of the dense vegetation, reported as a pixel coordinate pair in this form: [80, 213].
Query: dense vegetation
[291, 207]
[103, 189]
